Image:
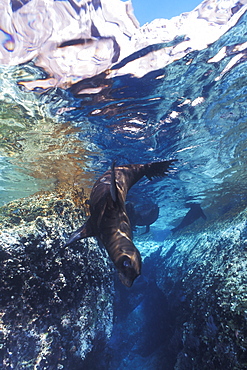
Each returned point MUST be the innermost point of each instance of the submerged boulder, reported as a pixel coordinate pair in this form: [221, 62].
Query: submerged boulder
[203, 276]
[54, 301]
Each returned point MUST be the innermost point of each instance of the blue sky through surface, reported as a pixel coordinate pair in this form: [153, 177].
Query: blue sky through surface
[148, 10]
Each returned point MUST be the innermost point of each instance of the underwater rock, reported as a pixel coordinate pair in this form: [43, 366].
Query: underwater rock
[204, 278]
[54, 301]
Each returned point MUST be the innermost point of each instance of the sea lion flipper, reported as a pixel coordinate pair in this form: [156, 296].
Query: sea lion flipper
[158, 169]
[83, 232]
[113, 187]
[203, 215]
[147, 230]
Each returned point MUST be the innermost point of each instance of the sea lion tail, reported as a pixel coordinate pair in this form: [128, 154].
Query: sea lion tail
[158, 169]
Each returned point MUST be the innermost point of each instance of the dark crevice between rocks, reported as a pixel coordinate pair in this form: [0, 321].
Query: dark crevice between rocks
[147, 331]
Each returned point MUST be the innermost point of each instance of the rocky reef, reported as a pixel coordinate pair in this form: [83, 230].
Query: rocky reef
[55, 302]
[60, 309]
[202, 273]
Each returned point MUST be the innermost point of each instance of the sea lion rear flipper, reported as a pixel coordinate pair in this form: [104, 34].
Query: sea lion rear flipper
[147, 229]
[83, 232]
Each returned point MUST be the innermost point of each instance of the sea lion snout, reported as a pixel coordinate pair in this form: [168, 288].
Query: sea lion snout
[129, 268]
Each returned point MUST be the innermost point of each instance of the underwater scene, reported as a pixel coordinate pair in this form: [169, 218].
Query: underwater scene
[123, 200]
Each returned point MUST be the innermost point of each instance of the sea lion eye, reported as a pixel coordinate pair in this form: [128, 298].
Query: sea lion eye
[126, 263]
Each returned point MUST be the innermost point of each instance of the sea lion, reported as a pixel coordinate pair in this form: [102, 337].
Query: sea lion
[194, 213]
[142, 215]
[109, 221]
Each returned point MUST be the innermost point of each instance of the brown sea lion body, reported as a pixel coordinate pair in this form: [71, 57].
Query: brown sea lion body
[109, 221]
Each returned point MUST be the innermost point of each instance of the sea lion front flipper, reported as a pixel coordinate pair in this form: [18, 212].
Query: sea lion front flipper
[113, 187]
[83, 232]
[128, 175]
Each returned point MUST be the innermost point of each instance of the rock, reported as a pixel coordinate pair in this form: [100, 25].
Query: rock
[54, 301]
[204, 279]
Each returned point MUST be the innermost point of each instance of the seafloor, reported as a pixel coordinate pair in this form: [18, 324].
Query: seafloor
[63, 308]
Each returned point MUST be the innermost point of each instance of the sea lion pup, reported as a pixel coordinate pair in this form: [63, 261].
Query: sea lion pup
[143, 214]
[109, 222]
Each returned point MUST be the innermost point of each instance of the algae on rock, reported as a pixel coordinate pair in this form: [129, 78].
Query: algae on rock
[54, 301]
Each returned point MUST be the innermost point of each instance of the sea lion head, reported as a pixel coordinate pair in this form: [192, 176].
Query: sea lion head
[129, 267]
